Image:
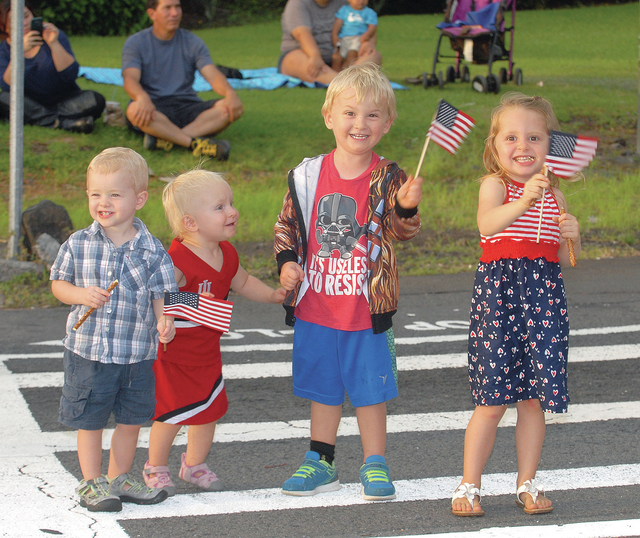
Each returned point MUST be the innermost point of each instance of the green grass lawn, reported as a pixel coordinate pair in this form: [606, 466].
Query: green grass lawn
[583, 60]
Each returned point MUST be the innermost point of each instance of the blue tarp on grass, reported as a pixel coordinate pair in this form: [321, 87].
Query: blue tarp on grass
[253, 79]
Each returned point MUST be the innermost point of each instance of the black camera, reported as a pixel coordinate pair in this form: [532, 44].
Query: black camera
[36, 24]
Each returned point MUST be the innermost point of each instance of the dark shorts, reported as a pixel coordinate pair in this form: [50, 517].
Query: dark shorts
[327, 362]
[181, 112]
[93, 390]
[326, 59]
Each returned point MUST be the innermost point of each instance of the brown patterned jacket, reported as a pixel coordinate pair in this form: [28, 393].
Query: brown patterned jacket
[387, 221]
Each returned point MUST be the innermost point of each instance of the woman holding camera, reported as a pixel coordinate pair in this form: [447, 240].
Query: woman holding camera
[51, 96]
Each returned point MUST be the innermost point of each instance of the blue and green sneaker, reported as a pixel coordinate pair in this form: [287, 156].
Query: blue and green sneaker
[376, 480]
[313, 476]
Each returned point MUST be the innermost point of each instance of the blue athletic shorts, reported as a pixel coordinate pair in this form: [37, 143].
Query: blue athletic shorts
[327, 362]
[93, 390]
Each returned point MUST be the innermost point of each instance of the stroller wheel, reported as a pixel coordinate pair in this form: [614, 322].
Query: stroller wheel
[465, 77]
[519, 79]
[451, 74]
[440, 80]
[493, 83]
[480, 85]
[429, 80]
[503, 75]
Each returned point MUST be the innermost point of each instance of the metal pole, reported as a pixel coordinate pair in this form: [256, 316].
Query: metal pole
[16, 129]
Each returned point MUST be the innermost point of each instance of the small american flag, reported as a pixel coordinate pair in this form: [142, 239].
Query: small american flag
[214, 313]
[450, 127]
[569, 154]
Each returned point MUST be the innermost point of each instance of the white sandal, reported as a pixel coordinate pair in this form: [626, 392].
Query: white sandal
[533, 489]
[468, 491]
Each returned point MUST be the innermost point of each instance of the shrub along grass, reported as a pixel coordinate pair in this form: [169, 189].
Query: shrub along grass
[569, 56]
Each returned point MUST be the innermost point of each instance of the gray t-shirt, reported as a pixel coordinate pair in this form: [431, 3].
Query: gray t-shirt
[319, 19]
[168, 67]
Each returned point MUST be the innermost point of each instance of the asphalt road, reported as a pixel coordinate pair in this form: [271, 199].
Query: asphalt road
[590, 462]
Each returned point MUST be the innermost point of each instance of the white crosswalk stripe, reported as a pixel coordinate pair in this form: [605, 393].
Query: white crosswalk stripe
[28, 454]
[283, 369]
[233, 502]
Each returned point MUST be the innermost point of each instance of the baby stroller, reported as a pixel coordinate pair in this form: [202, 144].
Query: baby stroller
[476, 30]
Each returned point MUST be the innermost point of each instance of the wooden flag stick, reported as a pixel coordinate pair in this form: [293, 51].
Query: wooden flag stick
[90, 311]
[165, 318]
[426, 142]
[424, 151]
[544, 172]
[572, 254]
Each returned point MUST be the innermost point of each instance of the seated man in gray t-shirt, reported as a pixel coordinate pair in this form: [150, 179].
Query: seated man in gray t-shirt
[158, 68]
[306, 40]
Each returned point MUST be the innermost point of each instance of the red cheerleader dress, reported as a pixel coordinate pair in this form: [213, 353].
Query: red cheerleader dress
[189, 383]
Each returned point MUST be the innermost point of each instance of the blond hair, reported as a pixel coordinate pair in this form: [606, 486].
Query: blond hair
[180, 197]
[125, 160]
[511, 100]
[367, 81]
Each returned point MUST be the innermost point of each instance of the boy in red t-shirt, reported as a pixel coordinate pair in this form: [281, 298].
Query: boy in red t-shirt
[335, 256]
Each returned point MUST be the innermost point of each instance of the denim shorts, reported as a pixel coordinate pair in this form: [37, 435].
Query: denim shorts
[327, 362]
[93, 390]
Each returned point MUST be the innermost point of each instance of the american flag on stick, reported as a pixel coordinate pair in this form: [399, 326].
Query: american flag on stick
[569, 154]
[450, 127]
[214, 313]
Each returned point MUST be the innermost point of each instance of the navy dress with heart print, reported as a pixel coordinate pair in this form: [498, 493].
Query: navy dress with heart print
[519, 324]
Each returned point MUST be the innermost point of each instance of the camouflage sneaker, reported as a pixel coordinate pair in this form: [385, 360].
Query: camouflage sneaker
[95, 496]
[152, 143]
[210, 147]
[130, 491]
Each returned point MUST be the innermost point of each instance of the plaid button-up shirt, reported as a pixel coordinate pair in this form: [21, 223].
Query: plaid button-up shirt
[122, 331]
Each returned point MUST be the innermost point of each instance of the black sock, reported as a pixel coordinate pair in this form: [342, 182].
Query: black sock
[327, 452]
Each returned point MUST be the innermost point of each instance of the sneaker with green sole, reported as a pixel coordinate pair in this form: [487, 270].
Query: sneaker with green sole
[211, 147]
[314, 476]
[376, 480]
[95, 496]
[131, 491]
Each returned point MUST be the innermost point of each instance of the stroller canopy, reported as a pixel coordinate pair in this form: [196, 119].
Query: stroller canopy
[483, 13]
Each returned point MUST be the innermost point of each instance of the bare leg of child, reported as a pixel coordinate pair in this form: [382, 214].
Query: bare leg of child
[372, 421]
[336, 61]
[123, 449]
[478, 444]
[199, 443]
[530, 433]
[325, 420]
[160, 441]
[90, 453]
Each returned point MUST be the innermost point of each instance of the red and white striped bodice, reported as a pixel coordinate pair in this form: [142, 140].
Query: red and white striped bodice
[519, 239]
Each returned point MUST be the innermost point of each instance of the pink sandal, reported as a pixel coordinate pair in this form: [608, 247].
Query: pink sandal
[200, 475]
[161, 478]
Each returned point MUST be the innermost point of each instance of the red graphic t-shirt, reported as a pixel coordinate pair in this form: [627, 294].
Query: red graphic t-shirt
[336, 265]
